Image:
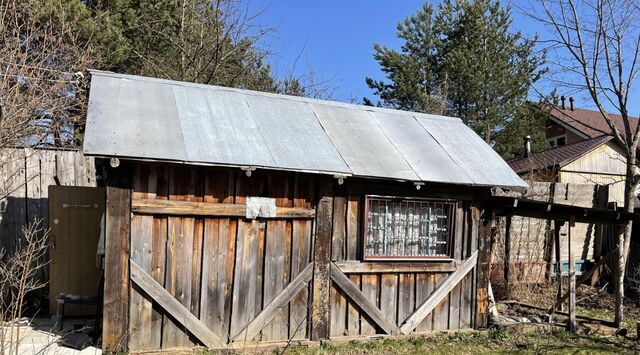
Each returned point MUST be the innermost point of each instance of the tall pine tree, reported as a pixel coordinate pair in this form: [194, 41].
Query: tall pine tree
[460, 60]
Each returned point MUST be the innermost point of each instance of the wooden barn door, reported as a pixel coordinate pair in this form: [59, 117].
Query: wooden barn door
[202, 273]
[74, 219]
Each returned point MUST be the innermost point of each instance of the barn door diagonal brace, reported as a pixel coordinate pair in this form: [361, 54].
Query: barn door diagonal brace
[438, 295]
[270, 311]
[172, 306]
[362, 301]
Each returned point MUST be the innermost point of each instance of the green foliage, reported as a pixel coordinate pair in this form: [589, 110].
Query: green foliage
[530, 119]
[461, 60]
[203, 41]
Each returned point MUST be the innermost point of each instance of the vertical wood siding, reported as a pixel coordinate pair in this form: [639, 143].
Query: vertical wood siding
[226, 270]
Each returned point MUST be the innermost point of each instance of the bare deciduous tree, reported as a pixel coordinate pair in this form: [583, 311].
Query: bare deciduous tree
[598, 42]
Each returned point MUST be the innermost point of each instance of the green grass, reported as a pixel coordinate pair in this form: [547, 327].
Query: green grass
[495, 342]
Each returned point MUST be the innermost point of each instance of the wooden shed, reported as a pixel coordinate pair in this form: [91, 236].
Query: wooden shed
[236, 217]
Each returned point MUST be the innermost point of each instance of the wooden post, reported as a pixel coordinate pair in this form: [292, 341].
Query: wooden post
[572, 276]
[602, 200]
[116, 265]
[507, 254]
[482, 275]
[557, 226]
[322, 271]
[619, 274]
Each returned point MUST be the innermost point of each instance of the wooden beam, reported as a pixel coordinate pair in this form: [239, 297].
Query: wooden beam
[438, 295]
[361, 300]
[572, 276]
[172, 306]
[557, 226]
[507, 254]
[115, 324]
[356, 267]
[321, 271]
[193, 208]
[483, 273]
[270, 311]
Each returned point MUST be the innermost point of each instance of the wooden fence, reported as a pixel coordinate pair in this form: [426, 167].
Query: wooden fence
[25, 175]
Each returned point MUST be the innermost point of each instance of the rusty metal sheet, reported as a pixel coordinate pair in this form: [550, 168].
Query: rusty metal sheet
[362, 144]
[423, 153]
[132, 118]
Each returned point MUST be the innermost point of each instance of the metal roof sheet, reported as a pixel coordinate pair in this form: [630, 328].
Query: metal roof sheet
[364, 147]
[421, 151]
[218, 127]
[137, 117]
[294, 136]
[474, 156]
[126, 119]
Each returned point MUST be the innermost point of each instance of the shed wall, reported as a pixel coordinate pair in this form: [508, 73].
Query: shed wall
[229, 271]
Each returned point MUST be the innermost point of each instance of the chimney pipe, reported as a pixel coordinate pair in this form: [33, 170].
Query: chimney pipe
[562, 99]
[571, 103]
[527, 146]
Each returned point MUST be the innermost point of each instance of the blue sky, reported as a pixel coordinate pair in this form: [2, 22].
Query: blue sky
[335, 38]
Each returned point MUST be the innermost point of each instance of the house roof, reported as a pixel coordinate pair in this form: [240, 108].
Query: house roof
[152, 119]
[588, 122]
[559, 156]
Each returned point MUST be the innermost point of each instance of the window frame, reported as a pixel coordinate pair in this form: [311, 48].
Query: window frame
[450, 238]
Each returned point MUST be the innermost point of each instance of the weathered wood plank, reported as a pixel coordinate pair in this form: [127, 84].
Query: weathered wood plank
[159, 250]
[244, 288]
[353, 227]
[300, 256]
[339, 243]
[321, 272]
[175, 308]
[406, 299]
[280, 301]
[179, 271]
[274, 276]
[424, 287]
[438, 295]
[369, 286]
[144, 186]
[338, 252]
[338, 312]
[214, 283]
[116, 282]
[373, 312]
[356, 267]
[389, 296]
[353, 313]
[140, 308]
[194, 208]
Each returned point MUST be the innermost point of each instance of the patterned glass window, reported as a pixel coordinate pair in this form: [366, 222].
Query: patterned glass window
[399, 228]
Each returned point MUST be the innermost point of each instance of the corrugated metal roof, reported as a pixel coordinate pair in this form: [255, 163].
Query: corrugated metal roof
[146, 118]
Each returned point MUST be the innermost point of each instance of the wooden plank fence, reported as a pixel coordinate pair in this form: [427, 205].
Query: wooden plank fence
[25, 175]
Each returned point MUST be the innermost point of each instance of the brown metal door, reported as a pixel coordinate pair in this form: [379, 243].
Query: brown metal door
[74, 219]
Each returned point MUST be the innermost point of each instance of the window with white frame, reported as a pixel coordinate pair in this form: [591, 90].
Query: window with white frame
[407, 228]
